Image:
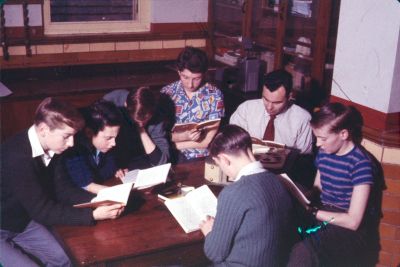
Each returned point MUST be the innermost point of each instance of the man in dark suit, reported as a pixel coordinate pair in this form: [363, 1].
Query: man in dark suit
[32, 197]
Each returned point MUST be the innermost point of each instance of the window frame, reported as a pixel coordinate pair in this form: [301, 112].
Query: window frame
[140, 24]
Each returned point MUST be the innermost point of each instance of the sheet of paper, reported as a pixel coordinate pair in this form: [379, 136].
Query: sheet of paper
[152, 176]
[130, 177]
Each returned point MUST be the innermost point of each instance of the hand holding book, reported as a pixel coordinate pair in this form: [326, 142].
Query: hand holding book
[194, 207]
[200, 126]
[119, 194]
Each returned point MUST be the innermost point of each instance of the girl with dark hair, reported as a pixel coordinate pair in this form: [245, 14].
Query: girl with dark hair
[194, 100]
[91, 161]
[345, 181]
[142, 141]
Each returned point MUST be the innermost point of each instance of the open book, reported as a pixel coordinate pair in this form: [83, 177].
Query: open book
[204, 125]
[264, 146]
[272, 155]
[191, 209]
[147, 177]
[294, 190]
[108, 196]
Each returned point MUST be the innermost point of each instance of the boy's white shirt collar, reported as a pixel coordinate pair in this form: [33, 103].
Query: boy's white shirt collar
[251, 168]
[37, 149]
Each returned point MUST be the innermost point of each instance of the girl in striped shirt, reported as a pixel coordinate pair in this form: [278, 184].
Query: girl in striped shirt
[345, 181]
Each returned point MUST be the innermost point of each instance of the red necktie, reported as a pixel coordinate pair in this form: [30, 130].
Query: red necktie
[269, 133]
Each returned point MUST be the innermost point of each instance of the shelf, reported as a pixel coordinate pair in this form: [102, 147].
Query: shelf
[294, 54]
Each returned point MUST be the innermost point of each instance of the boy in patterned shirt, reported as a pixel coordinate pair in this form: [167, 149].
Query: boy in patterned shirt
[194, 101]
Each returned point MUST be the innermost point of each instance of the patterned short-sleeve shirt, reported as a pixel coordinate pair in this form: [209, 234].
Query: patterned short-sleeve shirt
[206, 104]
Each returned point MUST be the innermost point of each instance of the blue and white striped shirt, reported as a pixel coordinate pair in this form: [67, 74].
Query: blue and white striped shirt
[339, 175]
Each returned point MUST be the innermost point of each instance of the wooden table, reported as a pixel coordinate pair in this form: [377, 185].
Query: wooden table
[146, 235]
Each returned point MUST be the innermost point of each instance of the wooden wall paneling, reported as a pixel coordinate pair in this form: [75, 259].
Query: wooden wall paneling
[247, 8]
[3, 34]
[189, 27]
[159, 31]
[17, 114]
[281, 28]
[17, 34]
[16, 2]
[45, 60]
[27, 37]
[382, 128]
[321, 40]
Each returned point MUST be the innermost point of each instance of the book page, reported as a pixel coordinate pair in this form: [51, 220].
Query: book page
[152, 176]
[110, 195]
[266, 143]
[183, 127]
[118, 193]
[130, 177]
[294, 190]
[260, 149]
[184, 214]
[203, 201]
[96, 204]
[210, 124]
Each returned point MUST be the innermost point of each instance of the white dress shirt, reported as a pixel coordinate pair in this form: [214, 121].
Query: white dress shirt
[251, 168]
[292, 127]
[37, 149]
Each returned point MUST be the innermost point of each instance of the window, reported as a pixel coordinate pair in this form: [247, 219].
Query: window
[96, 16]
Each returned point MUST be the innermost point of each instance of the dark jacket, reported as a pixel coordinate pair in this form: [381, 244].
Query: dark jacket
[81, 166]
[31, 191]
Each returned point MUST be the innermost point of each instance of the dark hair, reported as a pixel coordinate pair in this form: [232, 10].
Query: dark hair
[192, 59]
[232, 139]
[278, 78]
[339, 117]
[101, 114]
[55, 114]
[141, 104]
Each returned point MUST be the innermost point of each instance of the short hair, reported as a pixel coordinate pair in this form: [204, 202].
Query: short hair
[192, 59]
[275, 79]
[232, 140]
[101, 114]
[339, 117]
[141, 104]
[56, 114]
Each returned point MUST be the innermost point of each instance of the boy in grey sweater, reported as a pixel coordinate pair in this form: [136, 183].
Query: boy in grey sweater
[253, 222]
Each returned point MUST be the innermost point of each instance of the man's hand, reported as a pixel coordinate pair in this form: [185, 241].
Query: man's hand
[108, 212]
[121, 173]
[207, 225]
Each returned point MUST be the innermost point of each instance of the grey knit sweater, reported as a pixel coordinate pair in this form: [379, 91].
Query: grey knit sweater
[253, 223]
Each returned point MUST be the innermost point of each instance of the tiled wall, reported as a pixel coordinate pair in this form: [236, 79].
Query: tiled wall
[110, 46]
[390, 224]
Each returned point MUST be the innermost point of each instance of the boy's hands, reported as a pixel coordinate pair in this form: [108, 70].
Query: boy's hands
[108, 212]
[207, 225]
